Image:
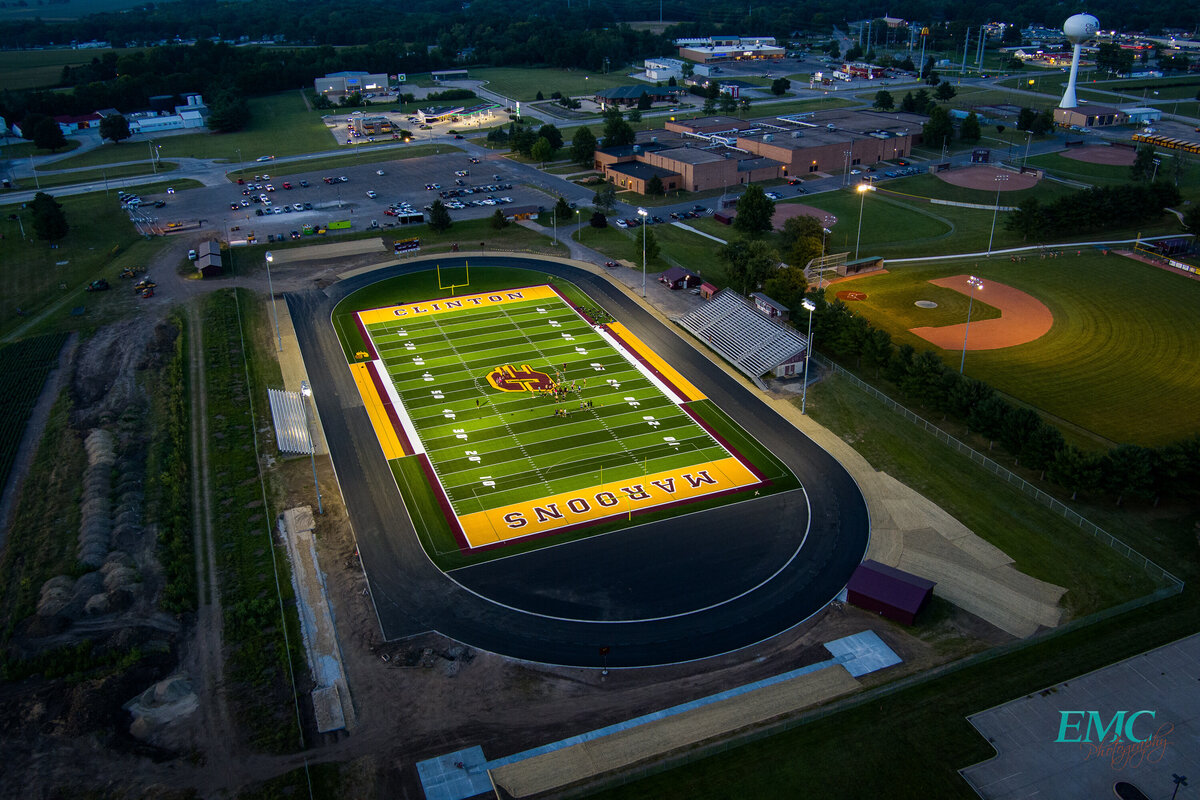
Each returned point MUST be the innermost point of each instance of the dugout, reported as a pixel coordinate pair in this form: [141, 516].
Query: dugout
[890, 592]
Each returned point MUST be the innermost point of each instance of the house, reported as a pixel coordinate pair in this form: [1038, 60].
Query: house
[629, 96]
[679, 278]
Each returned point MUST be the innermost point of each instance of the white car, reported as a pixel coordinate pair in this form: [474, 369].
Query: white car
[297, 206]
[371, 194]
[378, 172]
[265, 158]
[622, 224]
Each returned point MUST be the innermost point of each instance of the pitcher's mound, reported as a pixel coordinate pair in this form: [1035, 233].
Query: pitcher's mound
[982, 177]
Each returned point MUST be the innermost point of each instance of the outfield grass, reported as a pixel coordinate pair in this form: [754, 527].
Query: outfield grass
[1059, 165]
[36, 277]
[1119, 360]
[519, 83]
[927, 722]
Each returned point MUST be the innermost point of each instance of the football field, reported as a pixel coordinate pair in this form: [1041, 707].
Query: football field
[533, 418]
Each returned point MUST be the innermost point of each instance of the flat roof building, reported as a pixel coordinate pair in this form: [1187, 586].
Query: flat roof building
[714, 49]
[1090, 116]
[350, 82]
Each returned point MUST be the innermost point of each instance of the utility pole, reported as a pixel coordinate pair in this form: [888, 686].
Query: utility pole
[979, 63]
[966, 47]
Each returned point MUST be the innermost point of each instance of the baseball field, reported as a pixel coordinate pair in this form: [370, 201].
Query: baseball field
[1121, 357]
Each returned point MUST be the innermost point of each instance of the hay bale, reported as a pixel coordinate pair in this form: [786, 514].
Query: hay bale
[96, 605]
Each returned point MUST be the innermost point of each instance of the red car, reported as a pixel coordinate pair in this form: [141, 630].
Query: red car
[287, 185]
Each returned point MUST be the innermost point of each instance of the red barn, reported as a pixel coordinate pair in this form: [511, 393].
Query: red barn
[893, 593]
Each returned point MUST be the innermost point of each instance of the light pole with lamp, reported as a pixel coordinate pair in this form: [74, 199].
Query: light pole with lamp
[862, 190]
[1154, 176]
[1000, 179]
[810, 307]
[578, 226]
[977, 285]
[306, 391]
[554, 217]
[643, 213]
[271, 289]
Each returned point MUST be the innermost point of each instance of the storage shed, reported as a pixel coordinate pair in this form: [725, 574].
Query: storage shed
[893, 593]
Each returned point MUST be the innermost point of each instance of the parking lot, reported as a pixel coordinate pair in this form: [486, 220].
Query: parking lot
[402, 181]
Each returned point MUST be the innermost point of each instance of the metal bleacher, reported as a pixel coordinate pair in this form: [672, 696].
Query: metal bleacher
[754, 344]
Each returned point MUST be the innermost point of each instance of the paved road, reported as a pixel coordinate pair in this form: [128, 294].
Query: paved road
[665, 568]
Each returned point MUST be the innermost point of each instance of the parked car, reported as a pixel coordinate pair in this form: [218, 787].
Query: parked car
[371, 194]
[620, 223]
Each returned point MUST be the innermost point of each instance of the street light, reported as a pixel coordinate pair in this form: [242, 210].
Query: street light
[578, 227]
[977, 285]
[271, 289]
[643, 213]
[1154, 177]
[306, 391]
[810, 307]
[1000, 179]
[862, 190]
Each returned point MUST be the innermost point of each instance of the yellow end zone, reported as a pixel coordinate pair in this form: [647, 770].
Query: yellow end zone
[446, 304]
[609, 499]
[385, 432]
[681, 384]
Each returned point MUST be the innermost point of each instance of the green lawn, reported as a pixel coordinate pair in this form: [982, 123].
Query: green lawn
[36, 277]
[1063, 167]
[113, 174]
[523, 83]
[18, 148]
[280, 125]
[348, 158]
[1119, 360]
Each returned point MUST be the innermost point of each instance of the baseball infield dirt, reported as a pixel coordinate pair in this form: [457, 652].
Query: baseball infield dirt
[983, 177]
[1023, 318]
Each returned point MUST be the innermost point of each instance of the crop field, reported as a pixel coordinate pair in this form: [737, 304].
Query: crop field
[26, 364]
[34, 69]
[533, 418]
[1119, 361]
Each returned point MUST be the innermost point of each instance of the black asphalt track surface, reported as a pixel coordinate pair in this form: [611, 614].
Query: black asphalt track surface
[689, 587]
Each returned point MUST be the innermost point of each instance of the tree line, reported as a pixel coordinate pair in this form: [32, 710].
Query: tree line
[1097, 208]
[1126, 471]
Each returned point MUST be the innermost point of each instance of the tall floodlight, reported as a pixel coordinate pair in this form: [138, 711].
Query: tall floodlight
[1077, 29]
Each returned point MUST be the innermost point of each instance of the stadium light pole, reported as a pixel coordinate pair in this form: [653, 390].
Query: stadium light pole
[306, 391]
[1000, 179]
[271, 289]
[862, 190]
[643, 213]
[977, 285]
[810, 307]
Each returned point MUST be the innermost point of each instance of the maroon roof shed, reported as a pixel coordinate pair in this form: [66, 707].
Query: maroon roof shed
[894, 593]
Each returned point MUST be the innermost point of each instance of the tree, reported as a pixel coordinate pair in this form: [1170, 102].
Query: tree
[927, 69]
[787, 286]
[909, 103]
[1075, 470]
[970, 131]
[499, 221]
[598, 220]
[945, 91]
[672, 82]
[884, 100]
[1025, 119]
[1191, 219]
[541, 151]
[780, 86]
[710, 105]
[552, 135]
[439, 217]
[522, 139]
[539, 96]
[748, 263]
[645, 235]
[48, 136]
[654, 186]
[688, 69]
[1041, 447]
[114, 127]
[933, 78]
[1028, 220]
[939, 129]
[744, 105]
[49, 221]
[635, 116]
[728, 103]
[877, 349]
[605, 198]
[797, 228]
[1043, 124]
[617, 132]
[754, 211]
[562, 209]
[644, 102]
[228, 112]
[583, 147]
[1143, 163]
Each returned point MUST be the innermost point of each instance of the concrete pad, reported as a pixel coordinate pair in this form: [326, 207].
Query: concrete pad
[862, 653]
[443, 778]
[1031, 763]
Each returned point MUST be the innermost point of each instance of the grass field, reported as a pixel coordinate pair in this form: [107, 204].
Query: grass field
[18, 148]
[1063, 167]
[531, 456]
[34, 69]
[26, 365]
[1120, 360]
[114, 174]
[349, 158]
[517, 83]
[280, 125]
[36, 278]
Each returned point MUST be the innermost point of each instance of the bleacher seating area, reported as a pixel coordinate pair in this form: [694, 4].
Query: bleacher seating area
[754, 344]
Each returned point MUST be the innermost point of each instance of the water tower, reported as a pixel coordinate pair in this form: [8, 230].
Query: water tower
[1078, 29]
